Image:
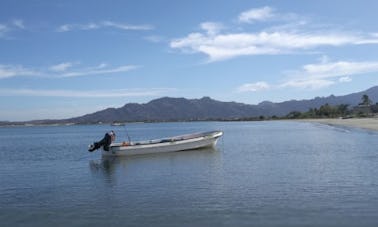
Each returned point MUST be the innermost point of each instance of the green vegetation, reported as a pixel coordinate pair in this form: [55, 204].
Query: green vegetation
[364, 109]
[325, 111]
[365, 100]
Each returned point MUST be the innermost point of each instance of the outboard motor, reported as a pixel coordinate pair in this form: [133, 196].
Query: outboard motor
[104, 143]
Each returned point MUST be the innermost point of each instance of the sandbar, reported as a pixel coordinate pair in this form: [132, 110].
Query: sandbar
[364, 123]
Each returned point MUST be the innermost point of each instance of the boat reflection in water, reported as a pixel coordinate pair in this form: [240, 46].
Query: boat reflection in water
[115, 169]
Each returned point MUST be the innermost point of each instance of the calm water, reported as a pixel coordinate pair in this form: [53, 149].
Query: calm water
[260, 174]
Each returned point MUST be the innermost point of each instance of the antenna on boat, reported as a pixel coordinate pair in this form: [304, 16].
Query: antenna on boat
[127, 134]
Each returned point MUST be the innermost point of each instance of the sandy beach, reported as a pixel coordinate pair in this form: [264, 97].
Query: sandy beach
[365, 123]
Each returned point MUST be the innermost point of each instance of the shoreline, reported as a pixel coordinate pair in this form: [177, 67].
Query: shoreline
[362, 123]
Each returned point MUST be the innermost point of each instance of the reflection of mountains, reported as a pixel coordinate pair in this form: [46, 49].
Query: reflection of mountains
[112, 168]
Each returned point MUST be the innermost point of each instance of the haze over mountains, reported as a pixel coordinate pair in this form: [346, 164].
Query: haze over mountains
[181, 109]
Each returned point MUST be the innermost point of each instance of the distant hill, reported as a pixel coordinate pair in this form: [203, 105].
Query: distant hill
[283, 108]
[4, 123]
[181, 109]
[172, 109]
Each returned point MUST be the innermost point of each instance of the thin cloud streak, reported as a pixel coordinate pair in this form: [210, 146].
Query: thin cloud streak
[98, 71]
[337, 69]
[147, 92]
[18, 23]
[308, 83]
[155, 38]
[14, 25]
[104, 24]
[317, 76]
[61, 67]
[253, 87]
[324, 74]
[7, 71]
[61, 70]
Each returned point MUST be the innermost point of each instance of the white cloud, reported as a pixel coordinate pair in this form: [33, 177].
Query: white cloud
[101, 69]
[65, 28]
[338, 69]
[6, 28]
[62, 70]
[18, 23]
[7, 71]
[256, 14]
[317, 76]
[252, 87]
[147, 92]
[211, 28]
[154, 38]
[309, 83]
[326, 73]
[124, 26]
[3, 30]
[103, 24]
[102, 65]
[61, 67]
[289, 37]
[345, 79]
[225, 46]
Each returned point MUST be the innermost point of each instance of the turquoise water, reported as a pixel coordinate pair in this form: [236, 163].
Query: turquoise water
[260, 174]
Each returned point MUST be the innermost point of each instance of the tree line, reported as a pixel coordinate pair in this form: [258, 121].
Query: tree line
[324, 111]
[329, 111]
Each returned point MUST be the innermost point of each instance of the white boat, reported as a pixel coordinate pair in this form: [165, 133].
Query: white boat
[177, 143]
[117, 124]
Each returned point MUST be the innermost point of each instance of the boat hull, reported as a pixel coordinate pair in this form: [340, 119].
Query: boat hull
[178, 143]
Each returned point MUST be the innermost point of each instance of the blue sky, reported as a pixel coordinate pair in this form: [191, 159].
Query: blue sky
[61, 59]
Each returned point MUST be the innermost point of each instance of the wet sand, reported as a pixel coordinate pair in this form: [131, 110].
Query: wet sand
[365, 123]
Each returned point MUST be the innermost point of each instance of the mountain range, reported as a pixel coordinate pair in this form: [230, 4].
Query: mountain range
[182, 109]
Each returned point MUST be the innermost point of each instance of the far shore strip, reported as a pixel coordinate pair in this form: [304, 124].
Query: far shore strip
[365, 123]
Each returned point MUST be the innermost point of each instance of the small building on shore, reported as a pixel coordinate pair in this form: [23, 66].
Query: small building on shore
[367, 110]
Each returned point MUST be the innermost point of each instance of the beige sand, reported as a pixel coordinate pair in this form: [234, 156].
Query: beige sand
[365, 123]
